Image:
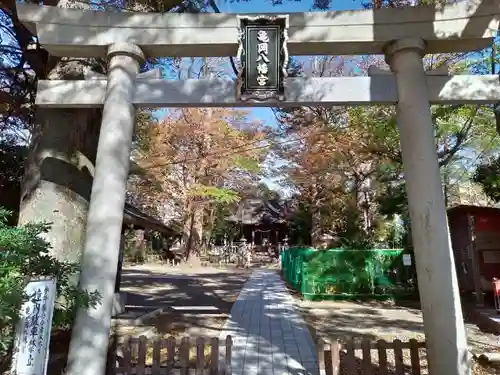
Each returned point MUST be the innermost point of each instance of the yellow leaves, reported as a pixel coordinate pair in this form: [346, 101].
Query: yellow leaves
[212, 193]
[196, 152]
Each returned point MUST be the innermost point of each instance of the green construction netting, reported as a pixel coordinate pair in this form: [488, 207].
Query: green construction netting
[344, 274]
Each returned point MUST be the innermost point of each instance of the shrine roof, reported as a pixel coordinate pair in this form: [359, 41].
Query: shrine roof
[258, 211]
[133, 216]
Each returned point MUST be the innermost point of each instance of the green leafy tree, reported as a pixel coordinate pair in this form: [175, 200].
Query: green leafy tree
[24, 254]
[12, 157]
[487, 175]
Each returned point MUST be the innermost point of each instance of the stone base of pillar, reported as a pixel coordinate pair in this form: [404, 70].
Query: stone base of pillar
[119, 300]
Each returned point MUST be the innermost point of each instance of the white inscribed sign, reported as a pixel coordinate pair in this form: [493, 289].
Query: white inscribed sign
[31, 346]
[406, 260]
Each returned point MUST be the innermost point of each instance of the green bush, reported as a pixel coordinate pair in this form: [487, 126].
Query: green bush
[23, 254]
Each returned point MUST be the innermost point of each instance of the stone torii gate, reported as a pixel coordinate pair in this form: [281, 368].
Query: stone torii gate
[402, 35]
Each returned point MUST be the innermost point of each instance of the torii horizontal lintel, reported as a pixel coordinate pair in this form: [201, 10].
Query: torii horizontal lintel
[336, 91]
[460, 27]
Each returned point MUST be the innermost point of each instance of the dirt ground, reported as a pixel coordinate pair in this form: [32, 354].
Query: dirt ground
[341, 320]
[196, 300]
[378, 320]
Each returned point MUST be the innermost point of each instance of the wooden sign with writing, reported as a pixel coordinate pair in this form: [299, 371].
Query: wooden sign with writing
[263, 57]
[31, 347]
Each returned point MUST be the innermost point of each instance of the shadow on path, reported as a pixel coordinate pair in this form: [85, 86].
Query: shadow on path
[269, 335]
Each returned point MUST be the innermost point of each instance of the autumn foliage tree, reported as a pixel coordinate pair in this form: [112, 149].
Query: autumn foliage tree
[197, 159]
[345, 163]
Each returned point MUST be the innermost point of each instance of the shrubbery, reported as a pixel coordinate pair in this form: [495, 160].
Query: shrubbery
[24, 253]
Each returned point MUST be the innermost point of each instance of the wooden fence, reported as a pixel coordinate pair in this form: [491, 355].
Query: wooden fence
[170, 356]
[336, 358]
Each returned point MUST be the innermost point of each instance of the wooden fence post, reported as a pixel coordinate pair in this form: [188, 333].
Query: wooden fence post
[148, 357]
[170, 354]
[330, 361]
[414, 357]
[184, 356]
[127, 356]
[321, 356]
[382, 356]
[214, 356]
[335, 349]
[141, 355]
[200, 355]
[155, 368]
[229, 351]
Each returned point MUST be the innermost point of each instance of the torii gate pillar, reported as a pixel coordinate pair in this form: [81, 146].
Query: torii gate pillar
[90, 335]
[437, 280]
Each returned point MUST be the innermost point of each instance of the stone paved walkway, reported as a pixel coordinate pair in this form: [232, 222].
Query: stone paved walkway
[269, 335]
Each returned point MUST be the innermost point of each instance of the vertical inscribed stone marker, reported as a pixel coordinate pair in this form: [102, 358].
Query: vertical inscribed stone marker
[31, 346]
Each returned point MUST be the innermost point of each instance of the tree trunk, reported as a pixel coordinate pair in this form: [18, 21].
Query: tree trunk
[59, 170]
[210, 226]
[139, 254]
[316, 230]
[187, 229]
[193, 230]
[58, 177]
[197, 232]
[315, 212]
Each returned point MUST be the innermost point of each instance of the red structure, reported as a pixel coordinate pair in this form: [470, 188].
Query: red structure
[496, 294]
[475, 235]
